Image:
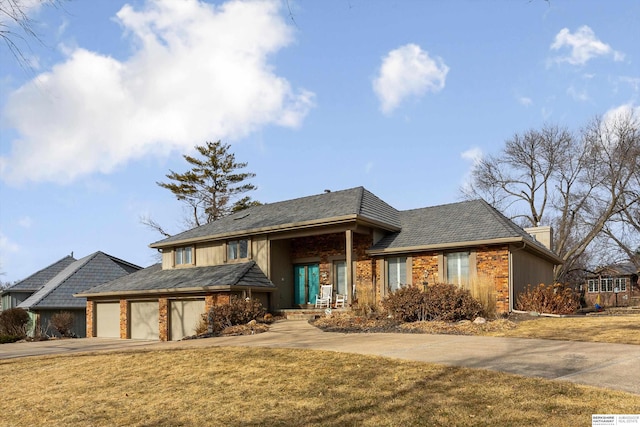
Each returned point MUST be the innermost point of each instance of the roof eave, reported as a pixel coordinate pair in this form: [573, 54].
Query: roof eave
[261, 230]
[174, 291]
[453, 245]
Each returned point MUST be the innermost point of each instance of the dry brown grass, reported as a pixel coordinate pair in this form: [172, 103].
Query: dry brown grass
[611, 329]
[252, 387]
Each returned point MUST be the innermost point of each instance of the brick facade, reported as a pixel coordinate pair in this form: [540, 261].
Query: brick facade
[163, 319]
[492, 263]
[91, 306]
[124, 319]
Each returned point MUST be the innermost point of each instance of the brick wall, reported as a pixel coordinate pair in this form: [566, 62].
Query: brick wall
[163, 319]
[425, 269]
[91, 306]
[124, 319]
[493, 264]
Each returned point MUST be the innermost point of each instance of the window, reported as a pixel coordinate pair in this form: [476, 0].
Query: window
[237, 249]
[621, 284]
[396, 273]
[341, 277]
[606, 284]
[183, 255]
[593, 285]
[458, 269]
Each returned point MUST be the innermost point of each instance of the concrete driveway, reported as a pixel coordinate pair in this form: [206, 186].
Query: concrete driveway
[613, 366]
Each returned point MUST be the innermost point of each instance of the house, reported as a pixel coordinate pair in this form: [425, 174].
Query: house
[55, 293]
[20, 291]
[613, 285]
[282, 252]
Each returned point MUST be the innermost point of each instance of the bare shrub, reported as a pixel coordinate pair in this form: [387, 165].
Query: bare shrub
[239, 311]
[63, 323]
[437, 302]
[14, 322]
[484, 291]
[554, 299]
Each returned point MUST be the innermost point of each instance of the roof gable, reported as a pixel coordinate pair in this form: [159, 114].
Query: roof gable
[38, 279]
[456, 223]
[355, 202]
[81, 274]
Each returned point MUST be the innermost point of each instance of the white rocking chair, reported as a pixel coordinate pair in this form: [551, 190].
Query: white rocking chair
[324, 298]
[341, 300]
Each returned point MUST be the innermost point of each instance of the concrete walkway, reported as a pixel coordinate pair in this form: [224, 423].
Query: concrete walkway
[613, 366]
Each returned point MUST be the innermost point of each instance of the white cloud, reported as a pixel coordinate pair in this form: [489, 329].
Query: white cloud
[405, 72]
[578, 95]
[6, 245]
[525, 100]
[474, 156]
[617, 113]
[583, 45]
[25, 222]
[198, 72]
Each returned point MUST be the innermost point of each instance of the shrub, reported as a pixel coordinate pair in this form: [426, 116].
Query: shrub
[483, 289]
[437, 302]
[238, 312]
[554, 299]
[63, 323]
[14, 322]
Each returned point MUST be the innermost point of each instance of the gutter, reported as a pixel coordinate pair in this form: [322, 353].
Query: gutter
[216, 288]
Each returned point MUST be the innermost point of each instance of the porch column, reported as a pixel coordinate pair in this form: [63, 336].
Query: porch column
[349, 262]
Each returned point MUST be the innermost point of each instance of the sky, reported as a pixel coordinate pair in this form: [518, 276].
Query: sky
[401, 97]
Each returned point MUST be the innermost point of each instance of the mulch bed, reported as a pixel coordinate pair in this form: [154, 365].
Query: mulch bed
[347, 323]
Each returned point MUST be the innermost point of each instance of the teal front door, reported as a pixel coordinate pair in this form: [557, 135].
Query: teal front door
[307, 283]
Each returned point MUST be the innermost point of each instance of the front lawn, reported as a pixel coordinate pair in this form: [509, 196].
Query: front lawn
[284, 387]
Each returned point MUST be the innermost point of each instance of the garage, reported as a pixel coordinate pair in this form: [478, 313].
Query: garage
[108, 319]
[144, 320]
[184, 317]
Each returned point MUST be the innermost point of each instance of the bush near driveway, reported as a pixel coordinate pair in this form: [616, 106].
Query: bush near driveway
[239, 311]
[552, 299]
[14, 322]
[441, 301]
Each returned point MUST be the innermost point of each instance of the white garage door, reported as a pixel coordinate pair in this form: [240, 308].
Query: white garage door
[144, 320]
[108, 319]
[185, 316]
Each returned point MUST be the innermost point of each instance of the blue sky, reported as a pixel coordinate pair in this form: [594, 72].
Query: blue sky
[397, 96]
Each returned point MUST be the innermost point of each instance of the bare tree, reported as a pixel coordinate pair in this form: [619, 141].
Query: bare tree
[17, 27]
[585, 185]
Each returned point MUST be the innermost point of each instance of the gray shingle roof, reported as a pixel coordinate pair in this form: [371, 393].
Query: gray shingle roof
[38, 279]
[79, 275]
[355, 201]
[153, 278]
[468, 221]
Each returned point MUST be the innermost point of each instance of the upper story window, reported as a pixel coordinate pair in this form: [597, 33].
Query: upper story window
[458, 269]
[396, 273]
[184, 255]
[237, 249]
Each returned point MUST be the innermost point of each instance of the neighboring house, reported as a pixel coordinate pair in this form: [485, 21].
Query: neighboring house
[20, 291]
[56, 294]
[282, 252]
[613, 285]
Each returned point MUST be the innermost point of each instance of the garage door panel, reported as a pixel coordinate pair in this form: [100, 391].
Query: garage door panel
[144, 318]
[185, 316]
[108, 320]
